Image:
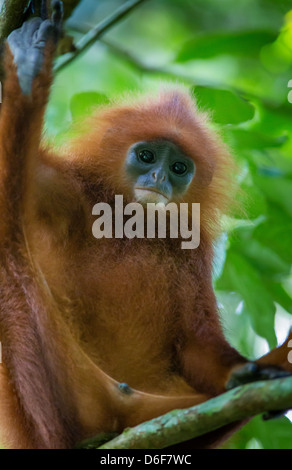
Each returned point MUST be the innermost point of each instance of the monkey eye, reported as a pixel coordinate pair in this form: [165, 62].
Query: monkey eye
[179, 168]
[146, 156]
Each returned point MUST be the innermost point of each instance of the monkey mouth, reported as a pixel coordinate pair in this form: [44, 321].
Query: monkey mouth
[150, 195]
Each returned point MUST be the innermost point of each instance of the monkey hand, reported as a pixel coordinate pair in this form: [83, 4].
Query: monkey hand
[28, 43]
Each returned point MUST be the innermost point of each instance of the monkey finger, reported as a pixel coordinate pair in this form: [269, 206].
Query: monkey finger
[23, 37]
[45, 32]
[57, 13]
[44, 10]
[29, 27]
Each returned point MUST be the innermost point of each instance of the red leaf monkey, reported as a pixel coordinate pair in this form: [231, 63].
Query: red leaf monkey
[79, 317]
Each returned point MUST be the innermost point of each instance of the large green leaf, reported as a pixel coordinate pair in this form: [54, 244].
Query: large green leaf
[276, 188]
[280, 295]
[240, 276]
[230, 307]
[276, 235]
[239, 43]
[251, 201]
[273, 434]
[249, 139]
[274, 118]
[226, 106]
[264, 259]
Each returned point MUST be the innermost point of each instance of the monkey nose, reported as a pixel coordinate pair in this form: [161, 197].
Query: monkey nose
[158, 176]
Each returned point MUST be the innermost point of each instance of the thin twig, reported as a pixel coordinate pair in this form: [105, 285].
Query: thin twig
[174, 72]
[95, 33]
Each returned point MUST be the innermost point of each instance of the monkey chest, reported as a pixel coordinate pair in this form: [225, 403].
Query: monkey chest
[131, 328]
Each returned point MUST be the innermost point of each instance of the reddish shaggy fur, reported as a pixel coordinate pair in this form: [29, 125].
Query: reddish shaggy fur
[79, 315]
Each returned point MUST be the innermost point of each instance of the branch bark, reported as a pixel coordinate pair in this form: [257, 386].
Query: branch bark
[69, 6]
[181, 425]
[11, 16]
[95, 33]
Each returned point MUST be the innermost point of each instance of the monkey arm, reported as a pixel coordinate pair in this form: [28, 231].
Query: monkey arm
[27, 45]
[23, 314]
[28, 60]
[204, 356]
[211, 365]
[206, 361]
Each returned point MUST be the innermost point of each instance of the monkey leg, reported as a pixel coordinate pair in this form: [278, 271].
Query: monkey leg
[105, 405]
[28, 43]
[13, 433]
[140, 407]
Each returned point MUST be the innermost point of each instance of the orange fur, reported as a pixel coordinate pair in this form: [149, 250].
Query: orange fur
[79, 315]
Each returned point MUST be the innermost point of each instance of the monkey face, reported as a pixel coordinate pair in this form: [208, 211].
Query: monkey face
[159, 171]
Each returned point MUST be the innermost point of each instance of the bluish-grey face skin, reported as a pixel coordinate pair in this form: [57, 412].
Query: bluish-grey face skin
[159, 170]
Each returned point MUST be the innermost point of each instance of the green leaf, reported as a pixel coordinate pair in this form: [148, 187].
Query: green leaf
[262, 257]
[276, 234]
[276, 188]
[82, 104]
[248, 139]
[280, 295]
[226, 107]
[273, 434]
[230, 307]
[275, 118]
[251, 201]
[242, 43]
[240, 276]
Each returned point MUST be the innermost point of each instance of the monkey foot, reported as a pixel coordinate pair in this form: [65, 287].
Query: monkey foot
[252, 372]
[27, 45]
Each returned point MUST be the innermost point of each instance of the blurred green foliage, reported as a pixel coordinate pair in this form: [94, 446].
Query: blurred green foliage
[237, 56]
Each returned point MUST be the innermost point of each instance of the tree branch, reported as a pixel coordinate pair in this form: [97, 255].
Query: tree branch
[181, 425]
[174, 72]
[95, 33]
[11, 16]
[69, 6]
